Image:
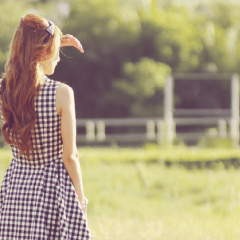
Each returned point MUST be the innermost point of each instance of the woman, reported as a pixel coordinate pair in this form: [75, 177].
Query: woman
[41, 195]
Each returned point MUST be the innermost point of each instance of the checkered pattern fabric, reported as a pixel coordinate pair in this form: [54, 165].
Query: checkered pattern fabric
[37, 198]
[46, 137]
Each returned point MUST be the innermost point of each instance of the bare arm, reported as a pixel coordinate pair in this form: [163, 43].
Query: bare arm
[66, 109]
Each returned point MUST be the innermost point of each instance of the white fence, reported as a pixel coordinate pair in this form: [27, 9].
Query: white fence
[147, 129]
[169, 101]
[96, 130]
[224, 122]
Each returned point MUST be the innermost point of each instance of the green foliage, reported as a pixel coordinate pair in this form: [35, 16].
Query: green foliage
[143, 78]
[223, 14]
[107, 31]
[216, 142]
[175, 30]
[128, 48]
[15, 9]
[142, 82]
[182, 156]
[116, 38]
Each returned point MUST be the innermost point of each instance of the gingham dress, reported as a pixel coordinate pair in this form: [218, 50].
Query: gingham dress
[37, 198]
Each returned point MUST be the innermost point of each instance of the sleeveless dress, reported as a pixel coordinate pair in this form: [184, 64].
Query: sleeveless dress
[37, 198]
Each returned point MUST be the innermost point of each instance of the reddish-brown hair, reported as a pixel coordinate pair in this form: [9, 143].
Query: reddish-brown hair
[22, 79]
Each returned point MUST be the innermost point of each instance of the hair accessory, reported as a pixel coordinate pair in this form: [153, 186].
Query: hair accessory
[51, 27]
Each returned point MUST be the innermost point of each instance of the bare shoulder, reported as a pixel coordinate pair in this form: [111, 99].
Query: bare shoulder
[64, 92]
[64, 88]
[64, 97]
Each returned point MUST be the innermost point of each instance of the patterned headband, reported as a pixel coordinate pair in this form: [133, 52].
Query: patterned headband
[51, 28]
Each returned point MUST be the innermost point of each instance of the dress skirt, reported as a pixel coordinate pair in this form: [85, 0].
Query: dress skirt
[40, 203]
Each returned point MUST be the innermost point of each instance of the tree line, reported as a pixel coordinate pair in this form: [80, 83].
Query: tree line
[130, 49]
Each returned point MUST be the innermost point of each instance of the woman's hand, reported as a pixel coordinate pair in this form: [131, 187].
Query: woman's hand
[70, 40]
[84, 209]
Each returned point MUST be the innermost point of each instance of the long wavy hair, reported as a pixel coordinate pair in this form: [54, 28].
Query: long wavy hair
[23, 78]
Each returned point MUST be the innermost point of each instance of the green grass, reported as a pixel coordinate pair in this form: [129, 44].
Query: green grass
[131, 200]
[171, 204]
[157, 154]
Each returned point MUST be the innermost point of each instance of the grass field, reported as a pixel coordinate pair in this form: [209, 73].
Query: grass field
[148, 201]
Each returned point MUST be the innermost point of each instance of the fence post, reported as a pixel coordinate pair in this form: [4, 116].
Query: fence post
[235, 110]
[161, 132]
[222, 128]
[168, 110]
[90, 130]
[101, 131]
[150, 129]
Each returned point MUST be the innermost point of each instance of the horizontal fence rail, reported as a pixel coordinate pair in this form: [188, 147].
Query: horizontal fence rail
[200, 121]
[96, 129]
[145, 129]
[203, 76]
[202, 112]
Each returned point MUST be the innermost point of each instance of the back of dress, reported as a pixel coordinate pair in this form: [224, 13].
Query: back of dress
[46, 136]
[37, 197]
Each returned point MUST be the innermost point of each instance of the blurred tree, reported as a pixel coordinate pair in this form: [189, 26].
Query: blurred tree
[125, 42]
[222, 14]
[142, 86]
[10, 14]
[218, 28]
[113, 33]
[218, 25]
[165, 34]
[108, 36]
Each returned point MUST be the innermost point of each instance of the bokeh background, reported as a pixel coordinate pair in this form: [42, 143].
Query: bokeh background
[130, 48]
[148, 192]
